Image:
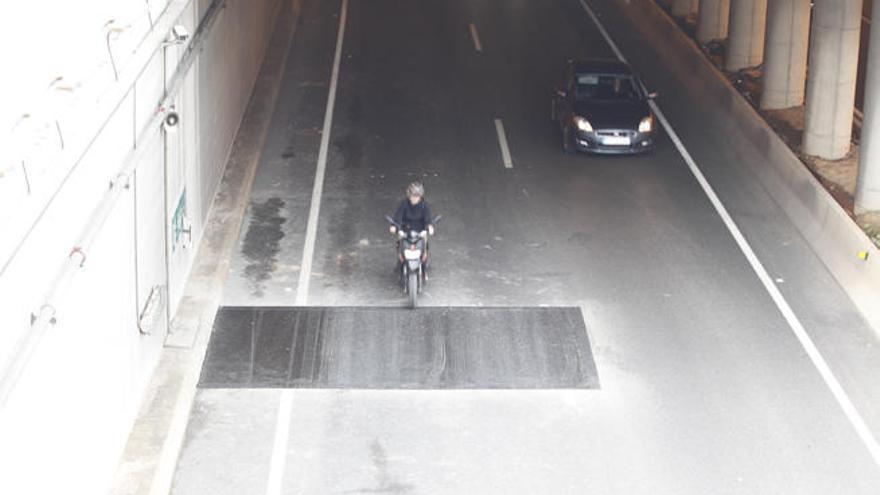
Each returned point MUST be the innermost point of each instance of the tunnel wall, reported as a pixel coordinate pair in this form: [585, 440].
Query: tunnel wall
[831, 233]
[66, 421]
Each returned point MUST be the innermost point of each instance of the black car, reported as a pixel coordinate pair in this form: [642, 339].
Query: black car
[602, 107]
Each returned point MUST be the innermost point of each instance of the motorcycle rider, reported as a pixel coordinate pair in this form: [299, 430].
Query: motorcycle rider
[413, 213]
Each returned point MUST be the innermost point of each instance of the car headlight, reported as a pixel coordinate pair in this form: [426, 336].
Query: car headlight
[582, 124]
[647, 124]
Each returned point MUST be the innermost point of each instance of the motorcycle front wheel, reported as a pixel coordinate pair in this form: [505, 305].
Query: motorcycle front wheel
[412, 288]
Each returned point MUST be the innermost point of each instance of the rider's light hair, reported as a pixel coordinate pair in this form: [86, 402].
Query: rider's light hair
[415, 189]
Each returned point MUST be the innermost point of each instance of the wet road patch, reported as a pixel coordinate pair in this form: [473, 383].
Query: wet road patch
[395, 348]
[262, 242]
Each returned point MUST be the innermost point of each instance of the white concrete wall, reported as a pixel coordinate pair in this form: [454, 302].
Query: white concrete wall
[66, 421]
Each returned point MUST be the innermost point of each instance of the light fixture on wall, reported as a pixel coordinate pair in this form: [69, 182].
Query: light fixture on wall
[178, 35]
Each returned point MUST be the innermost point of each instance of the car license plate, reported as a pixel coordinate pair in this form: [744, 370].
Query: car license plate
[616, 141]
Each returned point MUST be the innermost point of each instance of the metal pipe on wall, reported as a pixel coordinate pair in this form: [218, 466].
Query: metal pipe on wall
[47, 313]
[116, 95]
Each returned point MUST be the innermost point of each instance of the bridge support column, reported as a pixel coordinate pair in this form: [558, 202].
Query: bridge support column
[868, 183]
[831, 81]
[714, 15]
[682, 8]
[745, 45]
[785, 54]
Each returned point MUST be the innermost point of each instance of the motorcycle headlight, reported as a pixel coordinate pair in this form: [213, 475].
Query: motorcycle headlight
[647, 124]
[582, 124]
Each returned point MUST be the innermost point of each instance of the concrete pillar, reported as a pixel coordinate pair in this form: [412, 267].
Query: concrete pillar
[683, 8]
[785, 53]
[745, 43]
[831, 81]
[714, 15]
[868, 183]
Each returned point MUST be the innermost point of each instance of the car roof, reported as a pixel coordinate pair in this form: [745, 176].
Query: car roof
[604, 66]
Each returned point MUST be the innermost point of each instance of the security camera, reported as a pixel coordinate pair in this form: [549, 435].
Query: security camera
[179, 34]
[172, 118]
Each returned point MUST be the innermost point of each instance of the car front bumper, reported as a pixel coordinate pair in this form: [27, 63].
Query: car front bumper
[609, 142]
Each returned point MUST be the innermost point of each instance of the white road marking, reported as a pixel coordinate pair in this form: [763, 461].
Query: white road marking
[502, 141]
[791, 318]
[476, 37]
[305, 274]
[279, 444]
[285, 407]
[603, 31]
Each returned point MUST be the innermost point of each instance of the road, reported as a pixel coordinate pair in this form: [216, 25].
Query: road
[704, 387]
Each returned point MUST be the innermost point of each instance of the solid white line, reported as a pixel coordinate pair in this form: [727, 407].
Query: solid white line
[602, 30]
[791, 318]
[285, 408]
[502, 141]
[279, 444]
[476, 37]
[305, 273]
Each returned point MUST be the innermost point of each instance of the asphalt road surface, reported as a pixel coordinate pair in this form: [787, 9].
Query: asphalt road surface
[704, 387]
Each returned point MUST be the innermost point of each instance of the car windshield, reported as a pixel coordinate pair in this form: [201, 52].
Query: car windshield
[605, 87]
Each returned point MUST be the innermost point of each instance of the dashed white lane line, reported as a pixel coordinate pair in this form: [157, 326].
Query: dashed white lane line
[791, 318]
[285, 407]
[476, 37]
[502, 142]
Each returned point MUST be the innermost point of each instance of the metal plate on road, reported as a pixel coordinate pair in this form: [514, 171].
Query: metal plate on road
[395, 348]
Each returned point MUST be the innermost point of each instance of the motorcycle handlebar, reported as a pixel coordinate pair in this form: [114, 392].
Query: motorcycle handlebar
[390, 220]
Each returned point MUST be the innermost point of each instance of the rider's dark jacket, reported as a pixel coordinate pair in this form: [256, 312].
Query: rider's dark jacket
[413, 217]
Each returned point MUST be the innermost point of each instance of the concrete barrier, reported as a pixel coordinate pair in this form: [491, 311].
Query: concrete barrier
[834, 237]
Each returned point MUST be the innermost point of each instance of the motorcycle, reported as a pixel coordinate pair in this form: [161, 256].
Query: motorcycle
[412, 256]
